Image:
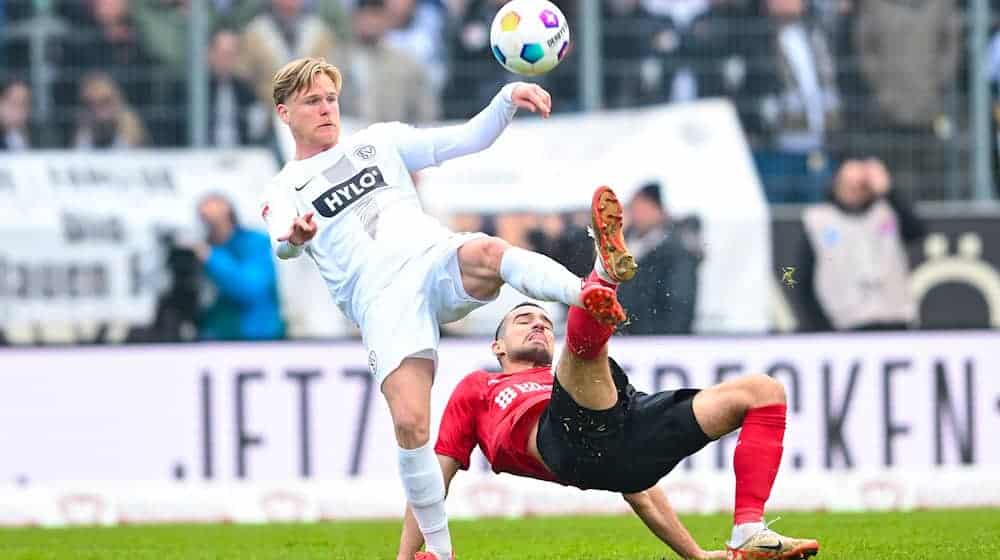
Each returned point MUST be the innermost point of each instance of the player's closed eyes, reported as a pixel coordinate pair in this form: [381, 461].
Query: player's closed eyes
[526, 320]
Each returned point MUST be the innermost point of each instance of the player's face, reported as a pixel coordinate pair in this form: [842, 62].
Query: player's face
[528, 336]
[313, 115]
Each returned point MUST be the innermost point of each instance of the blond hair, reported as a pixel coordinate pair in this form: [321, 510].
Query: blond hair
[298, 75]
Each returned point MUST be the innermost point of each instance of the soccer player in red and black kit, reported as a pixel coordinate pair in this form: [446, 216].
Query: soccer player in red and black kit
[582, 424]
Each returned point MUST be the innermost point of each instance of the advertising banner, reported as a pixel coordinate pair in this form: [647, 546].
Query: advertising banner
[874, 421]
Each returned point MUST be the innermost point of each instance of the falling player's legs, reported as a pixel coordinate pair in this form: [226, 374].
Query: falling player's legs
[487, 263]
[724, 407]
[583, 369]
[408, 392]
[756, 404]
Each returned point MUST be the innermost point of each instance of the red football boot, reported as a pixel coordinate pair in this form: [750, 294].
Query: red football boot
[601, 302]
[606, 214]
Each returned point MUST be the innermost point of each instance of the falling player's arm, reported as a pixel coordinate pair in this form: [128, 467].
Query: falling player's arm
[288, 231]
[426, 147]
[456, 440]
[654, 509]
[412, 539]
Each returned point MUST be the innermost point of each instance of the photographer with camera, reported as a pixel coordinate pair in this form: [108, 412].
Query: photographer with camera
[237, 264]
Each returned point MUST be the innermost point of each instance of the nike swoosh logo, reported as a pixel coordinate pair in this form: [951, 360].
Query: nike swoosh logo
[303, 185]
[492, 381]
[774, 547]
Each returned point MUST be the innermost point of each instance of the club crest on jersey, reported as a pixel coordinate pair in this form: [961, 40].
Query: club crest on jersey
[365, 152]
[342, 195]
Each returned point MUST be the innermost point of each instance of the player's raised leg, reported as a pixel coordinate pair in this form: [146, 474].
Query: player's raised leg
[583, 369]
[408, 392]
[755, 403]
[488, 262]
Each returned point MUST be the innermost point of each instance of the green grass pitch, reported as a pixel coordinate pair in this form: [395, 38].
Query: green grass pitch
[882, 536]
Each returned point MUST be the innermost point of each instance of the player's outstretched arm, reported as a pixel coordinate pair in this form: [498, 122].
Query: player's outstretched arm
[412, 539]
[426, 147]
[654, 509]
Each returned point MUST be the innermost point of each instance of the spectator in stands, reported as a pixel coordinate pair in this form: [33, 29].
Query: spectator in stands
[909, 54]
[236, 116]
[386, 84]
[792, 103]
[839, 19]
[163, 29]
[109, 43]
[15, 21]
[417, 27]
[514, 227]
[475, 75]
[564, 240]
[163, 25]
[238, 264]
[279, 34]
[105, 120]
[855, 273]
[660, 300]
[683, 46]
[16, 131]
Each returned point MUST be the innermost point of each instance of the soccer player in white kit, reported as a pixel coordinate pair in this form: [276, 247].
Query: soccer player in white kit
[351, 205]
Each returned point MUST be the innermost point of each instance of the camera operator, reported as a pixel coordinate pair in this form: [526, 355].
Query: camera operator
[238, 267]
[177, 308]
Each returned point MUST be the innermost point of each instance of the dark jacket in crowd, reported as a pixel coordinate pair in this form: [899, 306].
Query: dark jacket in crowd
[661, 298]
[245, 100]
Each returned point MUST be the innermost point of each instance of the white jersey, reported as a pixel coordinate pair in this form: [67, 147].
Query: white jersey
[370, 221]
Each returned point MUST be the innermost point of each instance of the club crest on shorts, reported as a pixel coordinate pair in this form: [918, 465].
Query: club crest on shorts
[373, 362]
[365, 152]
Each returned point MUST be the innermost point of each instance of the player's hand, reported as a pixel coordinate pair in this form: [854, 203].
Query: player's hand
[709, 554]
[533, 98]
[303, 229]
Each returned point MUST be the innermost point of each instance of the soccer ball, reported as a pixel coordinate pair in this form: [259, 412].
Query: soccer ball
[529, 37]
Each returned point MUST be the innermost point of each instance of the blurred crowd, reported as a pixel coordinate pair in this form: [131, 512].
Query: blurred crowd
[852, 107]
[668, 249]
[852, 270]
[813, 80]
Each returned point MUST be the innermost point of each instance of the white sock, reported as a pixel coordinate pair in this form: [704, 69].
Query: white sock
[423, 484]
[601, 273]
[744, 531]
[539, 277]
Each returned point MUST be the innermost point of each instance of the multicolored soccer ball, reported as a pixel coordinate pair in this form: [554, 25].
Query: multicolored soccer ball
[529, 37]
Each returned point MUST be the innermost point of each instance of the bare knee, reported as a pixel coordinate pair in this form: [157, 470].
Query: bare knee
[412, 427]
[491, 253]
[764, 390]
[479, 261]
[482, 256]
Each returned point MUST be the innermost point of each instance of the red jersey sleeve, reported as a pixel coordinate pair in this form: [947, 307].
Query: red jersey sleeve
[457, 434]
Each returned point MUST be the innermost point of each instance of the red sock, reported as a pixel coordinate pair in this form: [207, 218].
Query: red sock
[756, 460]
[593, 277]
[585, 336]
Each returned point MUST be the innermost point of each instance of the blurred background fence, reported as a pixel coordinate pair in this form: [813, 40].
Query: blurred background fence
[812, 85]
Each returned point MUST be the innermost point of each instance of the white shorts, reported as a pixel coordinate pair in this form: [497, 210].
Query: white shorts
[404, 319]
